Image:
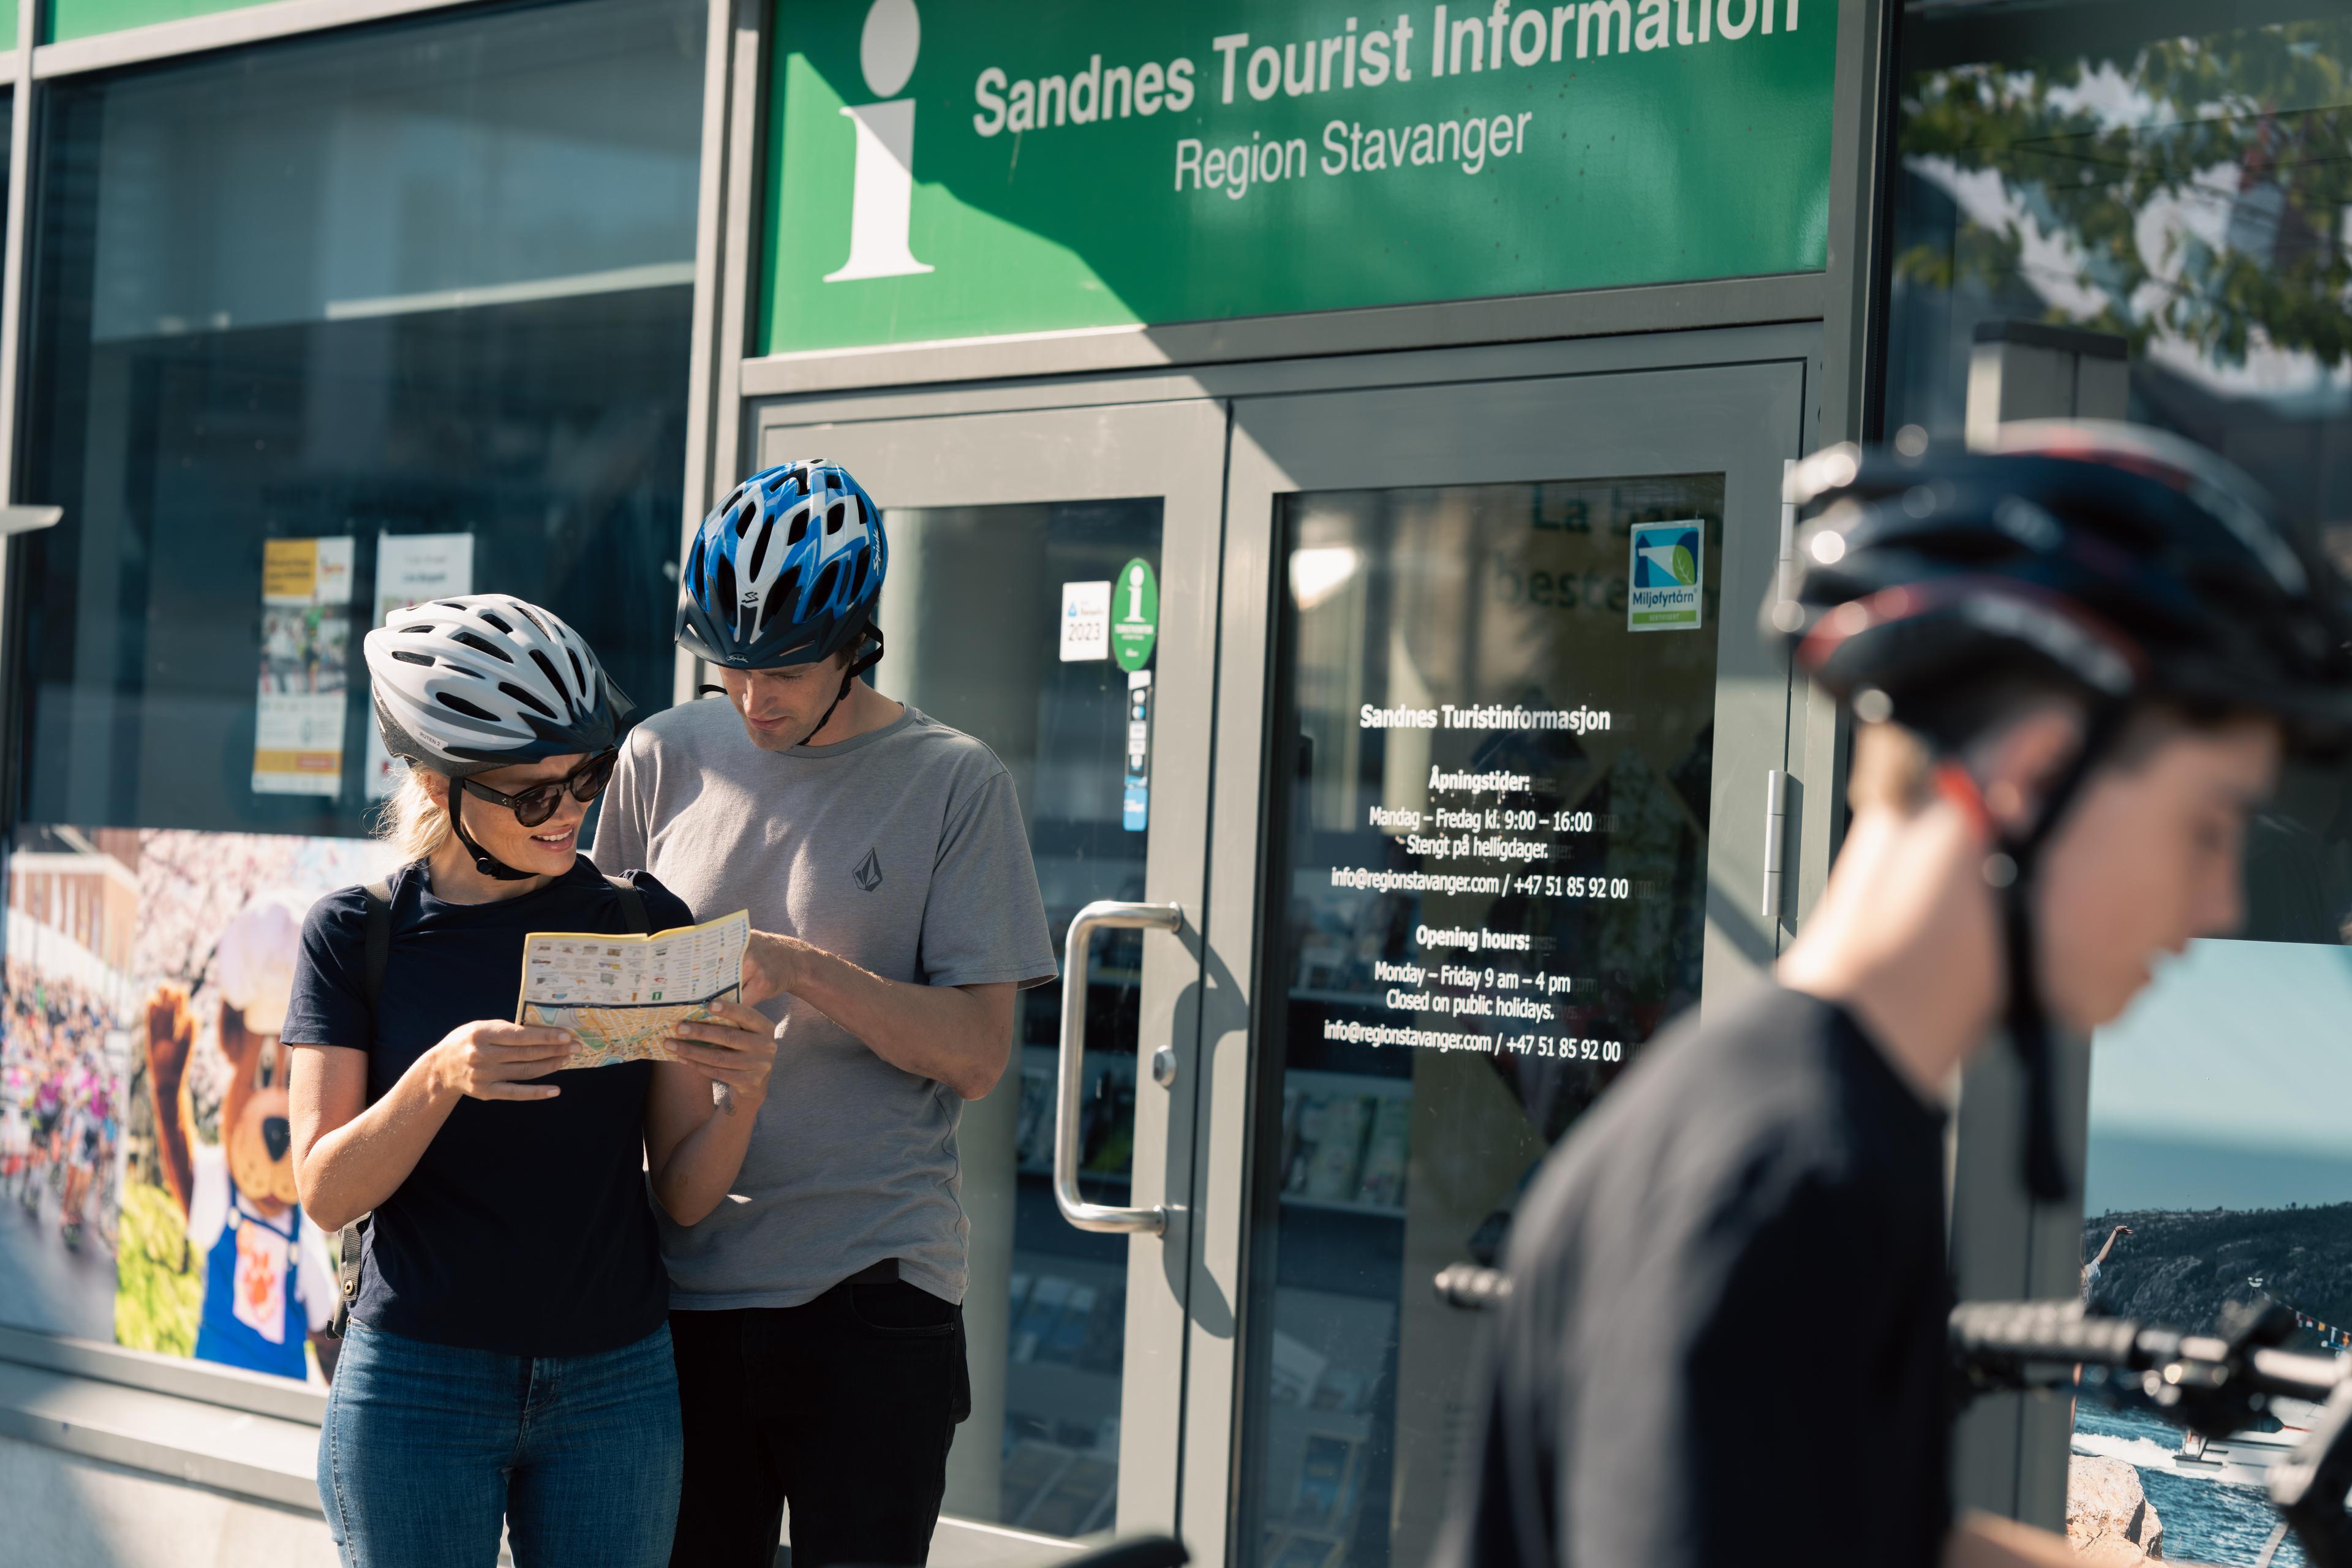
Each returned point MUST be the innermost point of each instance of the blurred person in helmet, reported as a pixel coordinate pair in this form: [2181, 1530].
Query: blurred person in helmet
[508, 1361]
[882, 855]
[2075, 664]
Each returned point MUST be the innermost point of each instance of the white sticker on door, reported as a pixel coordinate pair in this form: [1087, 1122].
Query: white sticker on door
[1086, 621]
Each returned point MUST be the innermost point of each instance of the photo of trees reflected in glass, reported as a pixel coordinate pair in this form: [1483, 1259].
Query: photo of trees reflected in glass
[2103, 166]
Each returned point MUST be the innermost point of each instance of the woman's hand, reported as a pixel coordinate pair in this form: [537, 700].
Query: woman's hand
[735, 1049]
[487, 1058]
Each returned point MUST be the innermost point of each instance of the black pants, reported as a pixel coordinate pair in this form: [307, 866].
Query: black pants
[844, 1406]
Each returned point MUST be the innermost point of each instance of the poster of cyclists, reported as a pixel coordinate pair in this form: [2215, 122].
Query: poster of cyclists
[64, 1059]
[144, 1144]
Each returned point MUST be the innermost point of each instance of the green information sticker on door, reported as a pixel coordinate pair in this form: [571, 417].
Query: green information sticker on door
[1134, 614]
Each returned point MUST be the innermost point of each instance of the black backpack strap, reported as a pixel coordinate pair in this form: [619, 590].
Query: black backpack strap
[350, 1244]
[633, 906]
[378, 896]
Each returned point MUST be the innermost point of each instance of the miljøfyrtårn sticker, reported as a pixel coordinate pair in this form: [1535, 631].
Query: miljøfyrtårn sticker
[1668, 576]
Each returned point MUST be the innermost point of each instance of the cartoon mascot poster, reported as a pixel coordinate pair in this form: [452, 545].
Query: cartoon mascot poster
[268, 1284]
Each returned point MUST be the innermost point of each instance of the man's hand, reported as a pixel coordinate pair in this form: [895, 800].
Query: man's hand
[959, 1036]
[735, 1049]
[770, 965]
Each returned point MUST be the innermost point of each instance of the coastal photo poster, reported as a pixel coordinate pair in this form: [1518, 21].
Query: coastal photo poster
[2220, 1171]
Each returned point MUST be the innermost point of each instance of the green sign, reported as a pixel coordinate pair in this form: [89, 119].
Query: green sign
[938, 172]
[1134, 614]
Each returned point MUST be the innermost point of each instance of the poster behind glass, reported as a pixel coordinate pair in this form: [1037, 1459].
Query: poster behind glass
[2088, 166]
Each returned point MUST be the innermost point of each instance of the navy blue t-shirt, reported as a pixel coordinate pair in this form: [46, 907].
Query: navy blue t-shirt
[524, 1227]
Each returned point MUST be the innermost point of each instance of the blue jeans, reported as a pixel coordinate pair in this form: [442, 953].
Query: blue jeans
[426, 1448]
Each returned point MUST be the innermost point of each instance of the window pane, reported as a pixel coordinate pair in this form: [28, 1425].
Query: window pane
[1045, 1313]
[1490, 891]
[317, 328]
[2085, 166]
[433, 280]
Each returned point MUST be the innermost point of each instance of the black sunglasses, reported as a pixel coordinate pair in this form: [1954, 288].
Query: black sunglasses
[537, 804]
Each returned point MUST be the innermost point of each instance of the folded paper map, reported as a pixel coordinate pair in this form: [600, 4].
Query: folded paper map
[623, 995]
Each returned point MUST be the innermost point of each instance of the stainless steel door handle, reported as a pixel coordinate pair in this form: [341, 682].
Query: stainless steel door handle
[1105, 912]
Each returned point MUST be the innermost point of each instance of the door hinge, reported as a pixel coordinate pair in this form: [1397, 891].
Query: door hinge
[1776, 823]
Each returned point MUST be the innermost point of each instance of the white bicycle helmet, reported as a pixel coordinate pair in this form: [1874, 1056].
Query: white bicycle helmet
[485, 682]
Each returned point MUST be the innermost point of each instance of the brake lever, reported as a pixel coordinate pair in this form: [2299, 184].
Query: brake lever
[2212, 1396]
[2309, 1487]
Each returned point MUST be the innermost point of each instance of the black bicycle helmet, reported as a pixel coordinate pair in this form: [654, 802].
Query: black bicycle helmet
[2122, 563]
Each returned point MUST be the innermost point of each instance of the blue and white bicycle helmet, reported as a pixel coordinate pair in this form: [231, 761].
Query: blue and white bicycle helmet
[785, 571]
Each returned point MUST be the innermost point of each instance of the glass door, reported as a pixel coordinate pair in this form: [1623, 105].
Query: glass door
[1051, 592]
[1517, 729]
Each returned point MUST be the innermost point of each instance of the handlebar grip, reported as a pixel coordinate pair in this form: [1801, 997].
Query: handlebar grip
[1470, 1287]
[2048, 1331]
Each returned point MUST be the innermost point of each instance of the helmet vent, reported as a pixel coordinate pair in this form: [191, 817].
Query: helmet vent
[800, 527]
[525, 697]
[416, 631]
[723, 590]
[822, 593]
[482, 644]
[471, 710]
[547, 667]
[788, 589]
[741, 520]
[493, 620]
[405, 656]
[760, 549]
[525, 611]
[579, 675]
[834, 516]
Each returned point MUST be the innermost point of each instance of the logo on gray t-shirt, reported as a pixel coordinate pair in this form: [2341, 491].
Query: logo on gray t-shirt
[869, 871]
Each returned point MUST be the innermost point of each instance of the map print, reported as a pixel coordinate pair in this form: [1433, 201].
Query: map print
[624, 994]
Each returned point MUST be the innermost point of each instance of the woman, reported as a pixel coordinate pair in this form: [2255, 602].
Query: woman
[507, 1357]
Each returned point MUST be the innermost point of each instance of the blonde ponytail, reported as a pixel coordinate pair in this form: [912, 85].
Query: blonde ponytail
[412, 821]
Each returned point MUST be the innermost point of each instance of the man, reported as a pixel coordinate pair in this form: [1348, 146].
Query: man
[896, 912]
[2076, 664]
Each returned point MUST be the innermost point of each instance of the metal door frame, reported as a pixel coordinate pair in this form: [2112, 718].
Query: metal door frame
[1740, 402]
[1174, 450]
[1092, 453]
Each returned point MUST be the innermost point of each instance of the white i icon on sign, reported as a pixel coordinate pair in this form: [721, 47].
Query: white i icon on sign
[883, 192]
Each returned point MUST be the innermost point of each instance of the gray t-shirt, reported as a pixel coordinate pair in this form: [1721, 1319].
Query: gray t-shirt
[901, 850]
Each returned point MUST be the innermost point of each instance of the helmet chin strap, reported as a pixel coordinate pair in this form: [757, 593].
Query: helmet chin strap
[2011, 869]
[858, 667]
[487, 864]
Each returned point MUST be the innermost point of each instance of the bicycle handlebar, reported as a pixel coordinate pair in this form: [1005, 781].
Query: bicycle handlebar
[1990, 1337]
[2212, 1384]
